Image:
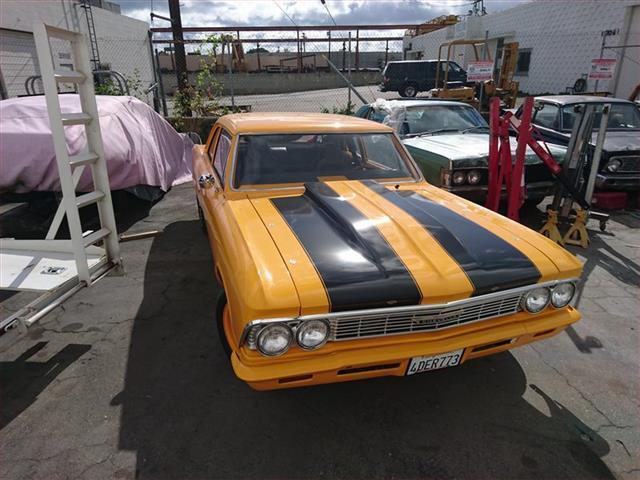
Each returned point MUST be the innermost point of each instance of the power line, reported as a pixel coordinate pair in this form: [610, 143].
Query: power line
[286, 14]
[326, 7]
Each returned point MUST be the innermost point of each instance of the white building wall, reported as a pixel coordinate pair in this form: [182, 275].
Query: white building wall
[123, 42]
[563, 37]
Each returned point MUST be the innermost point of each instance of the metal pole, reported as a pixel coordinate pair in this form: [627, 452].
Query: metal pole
[349, 71]
[230, 50]
[357, 50]
[602, 46]
[299, 62]
[597, 154]
[178, 44]
[349, 84]
[163, 97]
[386, 53]
[329, 35]
[258, 53]
[156, 100]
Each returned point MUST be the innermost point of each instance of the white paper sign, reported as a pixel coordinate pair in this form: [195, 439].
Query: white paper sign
[479, 71]
[602, 68]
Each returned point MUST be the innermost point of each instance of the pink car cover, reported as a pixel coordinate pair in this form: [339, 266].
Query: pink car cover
[141, 148]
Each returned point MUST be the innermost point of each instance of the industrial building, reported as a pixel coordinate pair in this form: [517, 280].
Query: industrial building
[557, 42]
[119, 42]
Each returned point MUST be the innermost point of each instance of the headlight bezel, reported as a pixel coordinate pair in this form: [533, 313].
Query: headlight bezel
[611, 163]
[474, 172]
[263, 331]
[461, 174]
[573, 294]
[528, 294]
[300, 330]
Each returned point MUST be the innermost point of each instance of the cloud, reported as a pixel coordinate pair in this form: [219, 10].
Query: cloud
[305, 12]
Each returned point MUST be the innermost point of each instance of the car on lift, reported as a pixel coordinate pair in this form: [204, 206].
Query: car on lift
[619, 167]
[339, 262]
[449, 140]
[409, 77]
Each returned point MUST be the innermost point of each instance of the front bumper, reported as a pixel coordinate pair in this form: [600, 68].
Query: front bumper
[619, 181]
[390, 357]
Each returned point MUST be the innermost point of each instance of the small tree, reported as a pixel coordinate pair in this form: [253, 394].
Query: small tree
[202, 98]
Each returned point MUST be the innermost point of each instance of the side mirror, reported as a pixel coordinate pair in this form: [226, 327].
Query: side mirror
[206, 181]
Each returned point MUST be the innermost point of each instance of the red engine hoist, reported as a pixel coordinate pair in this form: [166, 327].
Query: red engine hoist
[503, 170]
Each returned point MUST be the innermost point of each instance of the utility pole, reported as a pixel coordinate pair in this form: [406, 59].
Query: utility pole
[178, 44]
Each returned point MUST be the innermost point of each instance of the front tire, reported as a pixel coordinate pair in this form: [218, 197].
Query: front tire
[222, 311]
[408, 91]
[203, 224]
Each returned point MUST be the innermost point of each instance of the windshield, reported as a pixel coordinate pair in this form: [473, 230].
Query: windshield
[431, 119]
[623, 116]
[300, 158]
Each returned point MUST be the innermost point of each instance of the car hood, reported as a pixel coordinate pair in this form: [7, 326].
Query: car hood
[472, 149]
[619, 141]
[361, 244]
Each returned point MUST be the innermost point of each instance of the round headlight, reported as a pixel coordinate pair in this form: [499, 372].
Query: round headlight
[562, 294]
[613, 165]
[274, 339]
[474, 177]
[459, 178]
[312, 334]
[536, 300]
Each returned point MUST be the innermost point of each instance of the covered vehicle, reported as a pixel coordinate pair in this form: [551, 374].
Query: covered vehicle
[339, 262]
[619, 167]
[143, 152]
[450, 142]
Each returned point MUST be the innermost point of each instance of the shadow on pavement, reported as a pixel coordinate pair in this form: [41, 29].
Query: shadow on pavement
[32, 219]
[187, 416]
[22, 381]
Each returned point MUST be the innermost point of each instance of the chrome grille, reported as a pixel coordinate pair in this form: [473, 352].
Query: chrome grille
[405, 320]
[628, 163]
[421, 318]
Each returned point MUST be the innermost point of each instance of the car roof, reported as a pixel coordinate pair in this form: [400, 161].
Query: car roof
[573, 99]
[428, 102]
[298, 122]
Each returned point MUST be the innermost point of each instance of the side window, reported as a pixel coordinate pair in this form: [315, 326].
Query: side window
[547, 117]
[221, 154]
[524, 61]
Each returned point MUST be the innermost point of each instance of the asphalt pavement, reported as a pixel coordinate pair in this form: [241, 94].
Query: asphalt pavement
[127, 380]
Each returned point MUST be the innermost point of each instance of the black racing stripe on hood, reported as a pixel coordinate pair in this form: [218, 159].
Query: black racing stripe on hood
[491, 263]
[358, 267]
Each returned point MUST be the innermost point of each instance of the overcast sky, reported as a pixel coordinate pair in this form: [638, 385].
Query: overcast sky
[267, 12]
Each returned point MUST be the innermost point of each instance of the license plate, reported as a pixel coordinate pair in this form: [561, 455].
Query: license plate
[434, 362]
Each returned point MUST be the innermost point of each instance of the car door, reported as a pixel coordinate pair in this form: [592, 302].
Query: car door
[212, 196]
[430, 76]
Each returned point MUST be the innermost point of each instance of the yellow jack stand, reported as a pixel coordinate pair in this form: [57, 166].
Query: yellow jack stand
[550, 228]
[577, 234]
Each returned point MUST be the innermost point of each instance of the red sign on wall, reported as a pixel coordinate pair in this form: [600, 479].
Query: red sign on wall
[602, 68]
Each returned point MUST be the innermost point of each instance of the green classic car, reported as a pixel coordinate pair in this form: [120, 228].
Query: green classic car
[450, 142]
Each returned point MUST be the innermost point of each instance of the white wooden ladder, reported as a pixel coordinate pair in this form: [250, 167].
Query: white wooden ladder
[70, 168]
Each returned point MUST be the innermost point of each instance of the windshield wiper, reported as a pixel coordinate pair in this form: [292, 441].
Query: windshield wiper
[477, 127]
[431, 132]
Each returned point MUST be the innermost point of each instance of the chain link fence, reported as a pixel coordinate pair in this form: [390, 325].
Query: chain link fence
[284, 71]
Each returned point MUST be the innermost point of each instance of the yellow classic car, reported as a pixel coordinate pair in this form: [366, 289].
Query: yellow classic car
[339, 262]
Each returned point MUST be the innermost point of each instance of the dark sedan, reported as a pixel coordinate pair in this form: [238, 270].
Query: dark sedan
[620, 163]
